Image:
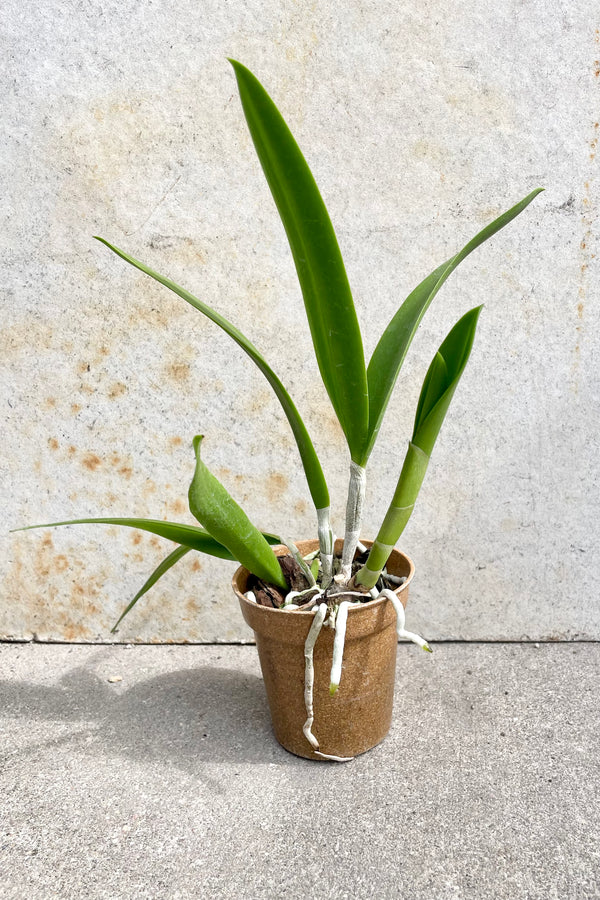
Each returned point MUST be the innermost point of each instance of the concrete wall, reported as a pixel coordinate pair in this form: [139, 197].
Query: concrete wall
[421, 124]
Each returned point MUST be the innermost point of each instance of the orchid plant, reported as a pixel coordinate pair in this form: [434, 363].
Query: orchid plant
[359, 395]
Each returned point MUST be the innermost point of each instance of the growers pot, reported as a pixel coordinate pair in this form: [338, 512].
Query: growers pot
[359, 715]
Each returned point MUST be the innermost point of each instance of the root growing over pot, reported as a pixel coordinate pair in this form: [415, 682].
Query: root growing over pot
[328, 600]
[309, 673]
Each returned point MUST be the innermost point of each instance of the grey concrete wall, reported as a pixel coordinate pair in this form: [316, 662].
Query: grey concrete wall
[421, 122]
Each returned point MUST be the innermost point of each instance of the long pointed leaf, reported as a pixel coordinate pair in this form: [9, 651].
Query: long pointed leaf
[160, 570]
[438, 389]
[310, 461]
[436, 381]
[216, 509]
[189, 535]
[391, 350]
[454, 351]
[323, 280]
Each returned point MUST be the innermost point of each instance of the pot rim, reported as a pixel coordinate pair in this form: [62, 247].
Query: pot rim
[282, 550]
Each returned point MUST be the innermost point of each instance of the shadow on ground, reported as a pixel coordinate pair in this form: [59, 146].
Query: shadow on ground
[184, 718]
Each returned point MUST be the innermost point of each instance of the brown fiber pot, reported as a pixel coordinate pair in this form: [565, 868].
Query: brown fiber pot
[359, 715]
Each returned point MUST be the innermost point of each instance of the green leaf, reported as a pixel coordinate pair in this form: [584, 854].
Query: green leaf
[189, 535]
[160, 570]
[438, 389]
[435, 383]
[323, 280]
[391, 350]
[432, 408]
[397, 515]
[314, 568]
[216, 509]
[310, 461]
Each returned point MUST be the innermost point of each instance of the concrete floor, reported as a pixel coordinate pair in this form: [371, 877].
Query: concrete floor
[169, 784]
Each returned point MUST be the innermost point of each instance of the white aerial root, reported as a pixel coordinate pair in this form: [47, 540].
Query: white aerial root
[334, 758]
[338, 617]
[339, 620]
[395, 579]
[309, 673]
[339, 594]
[296, 595]
[249, 595]
[338, 646]
[311, 603]
[354, 509]
[401, 619]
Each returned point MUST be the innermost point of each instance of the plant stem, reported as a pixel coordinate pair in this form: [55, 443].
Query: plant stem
[397, 516]
[325, 545]
[354, 509]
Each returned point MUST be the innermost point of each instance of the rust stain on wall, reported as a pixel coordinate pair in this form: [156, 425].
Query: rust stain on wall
[61, 563]
[43, 555]
[17, 340]
[123, 466]
[258, 400]
[158, 317]
[54, 590]
[117, 390]
[91, 461]
[328, 422]
[276, 484]
[148, 489]
[178, 371]
[76, 632]
[192, 606]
